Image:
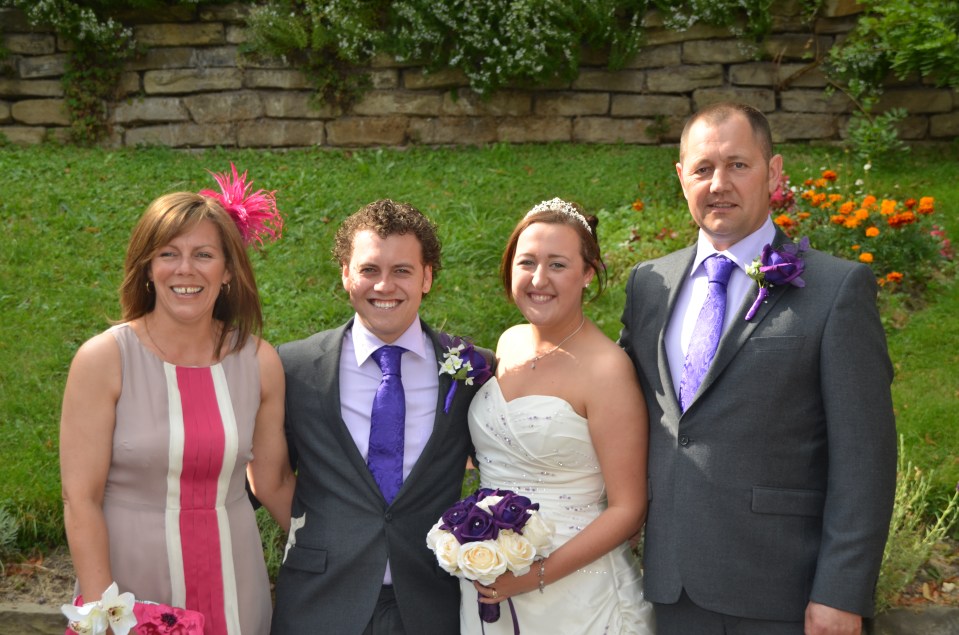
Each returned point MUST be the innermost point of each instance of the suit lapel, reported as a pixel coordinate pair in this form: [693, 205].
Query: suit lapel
[441, 420]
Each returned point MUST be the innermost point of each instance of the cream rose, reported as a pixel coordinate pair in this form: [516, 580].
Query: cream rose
[488, 503]
[447, 550]
[539, 531]
[481, 561]
[517, 550]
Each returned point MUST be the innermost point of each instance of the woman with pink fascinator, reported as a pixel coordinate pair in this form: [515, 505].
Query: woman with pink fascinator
[163, 414]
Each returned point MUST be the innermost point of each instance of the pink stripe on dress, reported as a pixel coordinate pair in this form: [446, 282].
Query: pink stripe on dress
[203, 447]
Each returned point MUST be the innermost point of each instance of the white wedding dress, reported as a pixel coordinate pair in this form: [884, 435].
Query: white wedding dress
[538, 446]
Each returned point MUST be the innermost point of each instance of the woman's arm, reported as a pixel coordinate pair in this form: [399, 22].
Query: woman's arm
[87, 423]
[271, 478]
[618, 427]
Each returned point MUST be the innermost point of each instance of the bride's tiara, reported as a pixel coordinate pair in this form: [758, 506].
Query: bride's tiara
[561, 206]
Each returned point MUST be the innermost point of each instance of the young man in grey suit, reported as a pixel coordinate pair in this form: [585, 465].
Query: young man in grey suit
[772, 457]
[357, 561]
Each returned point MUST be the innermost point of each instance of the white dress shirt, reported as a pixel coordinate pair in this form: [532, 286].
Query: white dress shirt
[360, 376]
[692, 295]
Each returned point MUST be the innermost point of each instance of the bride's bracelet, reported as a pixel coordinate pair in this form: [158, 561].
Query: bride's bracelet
[542, 574]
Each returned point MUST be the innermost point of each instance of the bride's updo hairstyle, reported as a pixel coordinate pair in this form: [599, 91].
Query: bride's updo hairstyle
[558, 212]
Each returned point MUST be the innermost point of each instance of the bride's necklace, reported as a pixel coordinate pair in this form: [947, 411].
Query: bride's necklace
[536, 358]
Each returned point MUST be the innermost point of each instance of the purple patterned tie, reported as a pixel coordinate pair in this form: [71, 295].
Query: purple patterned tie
[708, 329]
[387, 422]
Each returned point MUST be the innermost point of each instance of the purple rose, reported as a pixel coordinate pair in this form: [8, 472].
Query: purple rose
[511, 512]
[784, 265]
[456, 515]
[478, 526]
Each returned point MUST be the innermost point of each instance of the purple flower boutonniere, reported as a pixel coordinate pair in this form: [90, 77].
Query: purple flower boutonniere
[777, 266]
[462, 362]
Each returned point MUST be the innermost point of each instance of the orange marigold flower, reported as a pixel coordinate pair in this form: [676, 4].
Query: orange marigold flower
[817, 199]
[894, 276]
[869, 201]
[926, 204]
[861, 214]
[872, 232]
[887, 207]
[904, 218]
[837, 219]
[808, 194]
[851, 222]
[865, 257]
[803, 215]
[829, 175]
[855, 248]
[821, 183]
[784, 221]
[833, 198]
[638, 205]
[807, 182]
[847, 207]
[910, 203]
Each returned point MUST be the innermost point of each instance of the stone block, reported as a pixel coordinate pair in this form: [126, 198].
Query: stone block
[569, 104]
[237, 34]
[683, 79]
[182, 135]
[398, 102]
[191, 80]
[815, 101]
[776, 75]
[14, 21]
[129, 84]
[795, 46]
[608, 130]
[41, 112]
[24, 135]
[280, 134]
[30, 43]
[622, 81]
[718, 51]
[296, 105]
[215, 56]
[534, 129]
[698, 31]
[42, 66]
[30, 87]
[158, 13]
[224, 107]
[419, 79]
[4, 112]
[502, 103]
[649, 105]
[802, 126]
[367, 131]
[162, 58]
[913, 128]
[759, 98]
[656, 56]
[800, 76]
[151, 110]
[453, 130]
[278, 78]
[173, 34]
[233, 12]
[834, 8]
[920, 100]
[944, 126]
[838, 26]
[385, 78]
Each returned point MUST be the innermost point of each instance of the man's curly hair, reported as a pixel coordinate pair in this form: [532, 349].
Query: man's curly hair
[389, 218]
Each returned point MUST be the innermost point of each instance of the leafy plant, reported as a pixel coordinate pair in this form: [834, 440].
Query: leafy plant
[911, 537]
[874, 137]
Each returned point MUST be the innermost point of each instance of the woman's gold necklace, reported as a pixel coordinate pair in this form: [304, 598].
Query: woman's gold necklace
[556, 348]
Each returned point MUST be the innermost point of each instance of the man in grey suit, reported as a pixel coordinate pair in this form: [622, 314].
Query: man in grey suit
[771, 468]
[357, 562]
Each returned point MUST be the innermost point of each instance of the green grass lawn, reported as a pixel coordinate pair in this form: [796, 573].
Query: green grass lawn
[66, 215]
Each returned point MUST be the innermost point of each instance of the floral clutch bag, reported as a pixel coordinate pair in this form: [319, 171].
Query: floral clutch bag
[126, 615]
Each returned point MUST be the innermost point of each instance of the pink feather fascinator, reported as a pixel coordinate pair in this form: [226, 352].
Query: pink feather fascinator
[255, 215]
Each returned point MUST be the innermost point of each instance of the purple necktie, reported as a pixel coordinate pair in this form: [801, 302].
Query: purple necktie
[387, 422]
[708, 329]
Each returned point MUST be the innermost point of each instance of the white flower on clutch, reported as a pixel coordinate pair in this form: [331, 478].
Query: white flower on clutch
[85, 620]
[517, 550]
[539, 532]
[119, 609]
[482, 561]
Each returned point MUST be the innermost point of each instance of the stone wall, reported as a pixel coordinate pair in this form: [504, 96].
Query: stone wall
[195, 88]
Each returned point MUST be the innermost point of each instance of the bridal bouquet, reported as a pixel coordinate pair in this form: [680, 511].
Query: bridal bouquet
[487, 534]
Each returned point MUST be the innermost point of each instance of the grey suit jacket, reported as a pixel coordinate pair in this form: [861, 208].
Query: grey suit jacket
[776, 486]
[331, 578]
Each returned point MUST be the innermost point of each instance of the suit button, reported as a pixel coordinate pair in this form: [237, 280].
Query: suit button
[684, 440]
[389, 516]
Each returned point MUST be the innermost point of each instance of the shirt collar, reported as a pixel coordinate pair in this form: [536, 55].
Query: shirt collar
[742, 253]
[364, 342]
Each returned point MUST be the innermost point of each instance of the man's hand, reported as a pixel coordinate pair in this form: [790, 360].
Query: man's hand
[825, 620]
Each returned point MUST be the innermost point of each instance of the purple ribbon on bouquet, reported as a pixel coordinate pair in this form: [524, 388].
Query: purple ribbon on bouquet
[491, 612]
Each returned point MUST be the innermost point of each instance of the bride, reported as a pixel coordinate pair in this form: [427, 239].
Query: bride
[563, 423]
